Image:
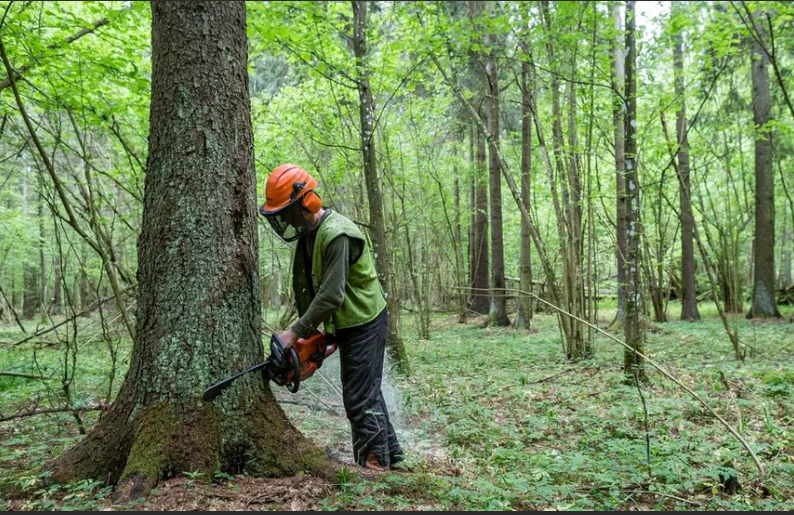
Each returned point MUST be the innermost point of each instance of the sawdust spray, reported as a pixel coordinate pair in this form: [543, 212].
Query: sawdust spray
[318, 410]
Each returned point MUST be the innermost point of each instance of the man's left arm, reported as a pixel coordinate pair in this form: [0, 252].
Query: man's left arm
[330, 293]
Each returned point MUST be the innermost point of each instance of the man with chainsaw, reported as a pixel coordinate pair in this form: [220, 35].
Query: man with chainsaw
[336, 284]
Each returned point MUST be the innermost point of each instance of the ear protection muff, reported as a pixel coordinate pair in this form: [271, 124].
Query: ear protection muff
[312, 202]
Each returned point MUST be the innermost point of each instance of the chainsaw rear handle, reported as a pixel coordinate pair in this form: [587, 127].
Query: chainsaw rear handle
[293, 386]
[311, 352]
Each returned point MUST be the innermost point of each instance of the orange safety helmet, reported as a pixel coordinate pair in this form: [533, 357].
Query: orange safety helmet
[289, 189]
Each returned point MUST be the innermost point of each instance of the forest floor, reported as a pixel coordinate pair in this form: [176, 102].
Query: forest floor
[492, 419]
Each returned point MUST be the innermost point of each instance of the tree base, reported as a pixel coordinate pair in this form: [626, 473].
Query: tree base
[499, 320]
[752, 314]
[522, 322]
[162, 442]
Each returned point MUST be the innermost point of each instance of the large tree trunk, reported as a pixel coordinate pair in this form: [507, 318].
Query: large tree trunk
[632, 363]
[689, 302]
[479, 302]
[381, 244]
[764, 304]
[498, 311]
[618, 78]
[198, 309]
[524, 312]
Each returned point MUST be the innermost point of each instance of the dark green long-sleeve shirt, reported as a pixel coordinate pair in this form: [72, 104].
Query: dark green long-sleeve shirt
[337, 258]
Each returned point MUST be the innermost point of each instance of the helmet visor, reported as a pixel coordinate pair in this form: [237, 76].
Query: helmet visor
[288, 223]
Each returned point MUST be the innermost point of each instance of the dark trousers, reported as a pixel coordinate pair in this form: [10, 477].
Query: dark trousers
[361, 351]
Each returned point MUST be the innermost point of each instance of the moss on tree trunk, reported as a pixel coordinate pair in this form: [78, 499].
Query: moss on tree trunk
[198, 315]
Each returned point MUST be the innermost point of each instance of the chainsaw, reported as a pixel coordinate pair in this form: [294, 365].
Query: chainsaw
[285, 367]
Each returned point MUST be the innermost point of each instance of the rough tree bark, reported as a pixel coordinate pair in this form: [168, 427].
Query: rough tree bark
[380, 243]
[618, 113]
[634, 333]
[764, 304]
[498, 311]
[198, 315]
[689, 302]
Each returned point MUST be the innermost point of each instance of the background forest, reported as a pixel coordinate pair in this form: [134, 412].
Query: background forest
[554, 191]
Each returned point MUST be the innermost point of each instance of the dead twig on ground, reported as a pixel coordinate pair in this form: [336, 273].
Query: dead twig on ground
[32, 412]
[17, 374]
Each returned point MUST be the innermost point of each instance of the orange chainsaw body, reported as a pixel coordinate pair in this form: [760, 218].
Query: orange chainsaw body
[311, 352]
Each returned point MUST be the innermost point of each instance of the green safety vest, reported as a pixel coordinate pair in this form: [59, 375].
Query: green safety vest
[364, 298]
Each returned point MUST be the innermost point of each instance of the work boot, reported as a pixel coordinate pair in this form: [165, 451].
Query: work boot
[374, 464]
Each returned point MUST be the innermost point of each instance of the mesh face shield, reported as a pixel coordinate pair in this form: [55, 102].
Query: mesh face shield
[287, 222]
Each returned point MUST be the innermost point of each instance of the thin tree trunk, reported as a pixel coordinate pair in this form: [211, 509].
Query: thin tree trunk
[728, 258]
[30, 279]
[567, 207]
[764, 304]
[498, 310]
[788, 243]
[480, 284]
[689, 303]
[458, 241]
[634, 331]
[788, 246]
[57, 301]
[14, 292]
[10, 304]
[381, 245]
[472, 213]
[85, 286]
[592, 260]
[30, 299]
[198, 313]
[43, 301]
[618, 114]
[424, 333]
[524, 314]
